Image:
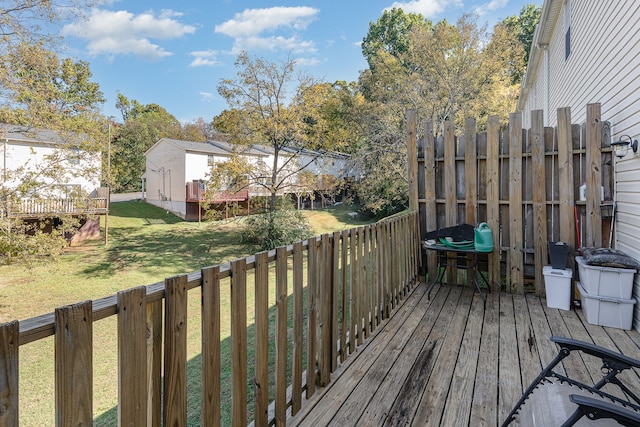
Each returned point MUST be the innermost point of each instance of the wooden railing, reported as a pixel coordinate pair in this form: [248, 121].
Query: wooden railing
[44, 207]
[320, 299]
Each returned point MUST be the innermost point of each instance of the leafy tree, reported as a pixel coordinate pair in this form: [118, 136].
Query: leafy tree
[273, 106]
[143, 126]
[391, 34]
[521, 28]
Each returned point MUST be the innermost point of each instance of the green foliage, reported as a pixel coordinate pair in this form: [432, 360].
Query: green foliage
[521, 28]
[391, 34]
[273, 229]
[30, 243]
[143, 126]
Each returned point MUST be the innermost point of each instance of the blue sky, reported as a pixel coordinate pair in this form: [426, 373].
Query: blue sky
[174, 53]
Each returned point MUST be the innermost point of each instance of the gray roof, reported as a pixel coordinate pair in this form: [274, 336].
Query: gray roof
[200, 147]
[33, 136]
[253, 150]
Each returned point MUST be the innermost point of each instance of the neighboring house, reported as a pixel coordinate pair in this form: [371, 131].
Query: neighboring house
[177, 172]
[171, 164]
[67, 178]
[583, 52]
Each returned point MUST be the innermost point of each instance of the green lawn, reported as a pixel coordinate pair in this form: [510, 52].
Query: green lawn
[146, 245]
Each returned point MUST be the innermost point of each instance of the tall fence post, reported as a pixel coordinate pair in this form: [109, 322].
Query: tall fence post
[412, 158]
[9, 356]
[493, 198]
[540, 240]
[565, 180]
[516, 243]
[593, 233]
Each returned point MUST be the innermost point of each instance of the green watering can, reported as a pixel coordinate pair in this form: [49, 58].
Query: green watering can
[483, 238]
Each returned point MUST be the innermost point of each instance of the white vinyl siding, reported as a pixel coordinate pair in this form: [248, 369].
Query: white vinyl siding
[602, 68]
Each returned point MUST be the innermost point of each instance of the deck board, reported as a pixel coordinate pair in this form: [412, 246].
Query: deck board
[452, 361]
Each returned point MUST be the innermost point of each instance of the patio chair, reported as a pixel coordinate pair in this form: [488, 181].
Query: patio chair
[554, 399]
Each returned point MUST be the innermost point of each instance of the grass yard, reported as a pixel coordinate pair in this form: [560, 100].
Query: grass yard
[146, 245]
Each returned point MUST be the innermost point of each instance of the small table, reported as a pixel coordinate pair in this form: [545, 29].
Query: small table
[466, 259]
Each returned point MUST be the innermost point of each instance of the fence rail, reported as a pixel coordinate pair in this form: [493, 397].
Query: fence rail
[330, 292]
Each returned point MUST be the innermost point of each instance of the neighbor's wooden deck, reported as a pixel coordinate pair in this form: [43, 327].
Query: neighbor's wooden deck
[450, 362]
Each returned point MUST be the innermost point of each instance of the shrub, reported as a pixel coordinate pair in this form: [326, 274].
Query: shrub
[274, 229]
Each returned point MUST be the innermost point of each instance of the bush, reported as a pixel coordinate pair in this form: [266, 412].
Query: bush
[274, 229]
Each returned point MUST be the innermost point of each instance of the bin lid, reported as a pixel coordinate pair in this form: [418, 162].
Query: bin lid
[548, 270]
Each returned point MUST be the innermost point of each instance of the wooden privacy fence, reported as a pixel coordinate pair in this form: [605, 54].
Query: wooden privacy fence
[313, 304]
[523, 183]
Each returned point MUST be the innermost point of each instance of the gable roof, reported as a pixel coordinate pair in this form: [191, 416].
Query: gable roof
[191, 146]
[253, 150]
[29, 135]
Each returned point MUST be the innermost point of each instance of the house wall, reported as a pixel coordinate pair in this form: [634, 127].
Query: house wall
[165, 173]
[85, 173]
[602, 68]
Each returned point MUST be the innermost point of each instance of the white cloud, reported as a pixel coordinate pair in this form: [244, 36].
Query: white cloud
[428, 8]
[206, 96]
[204, 58]
[249, 26]
[491, 6]
[121, 32]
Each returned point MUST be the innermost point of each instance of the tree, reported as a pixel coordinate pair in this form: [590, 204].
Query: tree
[143, 126]
[521, 28]
[391, 33]
[271, 105]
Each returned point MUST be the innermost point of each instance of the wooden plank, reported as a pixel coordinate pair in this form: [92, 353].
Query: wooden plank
[298, 328]
[366, 280]
[462, 389]
[565, 180]
[516, 241]
[9, 374]
[483, 406]
[154, 363]
[211, 348]
[411, 117]
[430, 215]
[74, 365]
[261, 345]
[350, 393]
[593, 232]
[335, 289]
[470, 171]
[132, 357]
[547, 350]
[281, 336]
[312, 277]
[493, 198]
[510, 385]
[239, 342]
[432, 404]
[540, 240]
[324, 322]
[359, 285]
[528, 356]
[376, 401]
[343, 295]
[353, 290]
[175, 351]
[451, 201]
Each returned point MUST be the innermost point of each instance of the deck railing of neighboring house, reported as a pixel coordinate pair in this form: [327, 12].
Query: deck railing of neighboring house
[50, 207]
[195, 193]
[313, 302]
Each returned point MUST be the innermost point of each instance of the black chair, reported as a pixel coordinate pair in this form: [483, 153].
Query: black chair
[554, 399]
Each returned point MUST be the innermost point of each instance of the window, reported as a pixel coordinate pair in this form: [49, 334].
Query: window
[567, 28]
[74, 156]
[210, 159]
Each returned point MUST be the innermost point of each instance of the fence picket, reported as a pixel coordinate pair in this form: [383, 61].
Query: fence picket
[132, 357]
[74, 365]
[210, 307]
[9, 374]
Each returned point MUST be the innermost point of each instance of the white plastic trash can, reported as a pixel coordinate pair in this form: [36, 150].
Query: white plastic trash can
[557, 284]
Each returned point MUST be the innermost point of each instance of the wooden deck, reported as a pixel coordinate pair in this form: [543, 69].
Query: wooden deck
[451, 361]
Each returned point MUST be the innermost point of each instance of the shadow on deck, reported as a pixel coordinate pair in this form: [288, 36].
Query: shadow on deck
[449, 361]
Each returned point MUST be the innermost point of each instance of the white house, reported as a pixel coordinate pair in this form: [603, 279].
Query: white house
[171, 164]
[584, 52]
[175, 170]
[26, 151]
